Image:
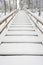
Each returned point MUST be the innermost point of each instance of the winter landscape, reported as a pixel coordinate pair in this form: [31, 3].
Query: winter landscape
[21, 32]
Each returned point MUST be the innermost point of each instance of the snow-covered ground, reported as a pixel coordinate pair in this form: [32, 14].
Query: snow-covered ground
[3, 14]
[37, 13]
[21, 25]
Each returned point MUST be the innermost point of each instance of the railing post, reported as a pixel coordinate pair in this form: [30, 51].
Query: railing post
[37, 21]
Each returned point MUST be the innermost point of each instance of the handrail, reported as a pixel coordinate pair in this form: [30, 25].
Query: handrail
[37, 18]
[6, 17]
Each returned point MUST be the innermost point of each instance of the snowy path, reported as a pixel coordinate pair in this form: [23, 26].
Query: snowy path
[21, 38]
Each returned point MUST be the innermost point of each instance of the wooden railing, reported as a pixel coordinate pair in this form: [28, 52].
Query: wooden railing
[38, 20]
[4, 22]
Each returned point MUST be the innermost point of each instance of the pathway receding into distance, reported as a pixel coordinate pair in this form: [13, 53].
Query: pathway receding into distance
[22, 39]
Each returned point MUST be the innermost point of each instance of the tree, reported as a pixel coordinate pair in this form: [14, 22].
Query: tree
[9, 6]
[5, 6]
[39, 7]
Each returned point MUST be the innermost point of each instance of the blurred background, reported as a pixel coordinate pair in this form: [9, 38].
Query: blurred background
[6, 6]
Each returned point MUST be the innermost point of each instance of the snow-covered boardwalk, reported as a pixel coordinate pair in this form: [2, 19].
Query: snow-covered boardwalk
[21, 38]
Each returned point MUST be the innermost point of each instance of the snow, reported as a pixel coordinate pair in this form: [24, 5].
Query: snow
[21, 44]
[24, 60]
[3, 17]
[38, 18]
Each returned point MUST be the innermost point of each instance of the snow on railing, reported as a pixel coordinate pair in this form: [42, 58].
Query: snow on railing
[36, 17]
[38, 22]
[4, 22]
